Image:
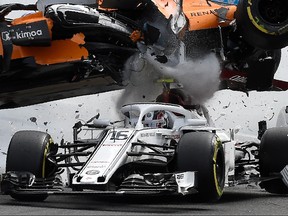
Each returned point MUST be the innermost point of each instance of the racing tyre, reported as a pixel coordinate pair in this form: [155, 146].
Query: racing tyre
[263, 23]
[28, 152]
[273, 158]
[203, 152]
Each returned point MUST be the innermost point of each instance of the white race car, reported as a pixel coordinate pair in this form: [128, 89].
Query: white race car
[158, 148]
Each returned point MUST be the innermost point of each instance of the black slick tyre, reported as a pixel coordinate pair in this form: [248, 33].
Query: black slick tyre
[273, 158]
[203, 152]
[263, 23]
[28, 152]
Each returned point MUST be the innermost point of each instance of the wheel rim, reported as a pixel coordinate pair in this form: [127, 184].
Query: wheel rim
[274, 11]
[218, 167]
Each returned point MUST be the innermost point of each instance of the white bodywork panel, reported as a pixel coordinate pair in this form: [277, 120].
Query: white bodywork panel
[185, 181]
[106, 158]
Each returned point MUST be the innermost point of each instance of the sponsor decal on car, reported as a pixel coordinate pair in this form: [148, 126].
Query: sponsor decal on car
[92, 172]
[5, 36]
[148, 134]
[238, 78]
[28, 34]
[36, 33]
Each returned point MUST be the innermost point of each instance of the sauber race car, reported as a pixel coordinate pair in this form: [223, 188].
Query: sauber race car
[61, 50]
[156, 148]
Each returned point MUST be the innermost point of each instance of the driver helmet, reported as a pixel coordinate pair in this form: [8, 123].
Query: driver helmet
[156, 119]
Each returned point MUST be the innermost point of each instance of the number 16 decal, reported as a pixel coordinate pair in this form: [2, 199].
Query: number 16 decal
[119, 135]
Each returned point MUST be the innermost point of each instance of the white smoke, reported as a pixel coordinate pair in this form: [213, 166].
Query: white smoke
[199, 78]
[141, 85]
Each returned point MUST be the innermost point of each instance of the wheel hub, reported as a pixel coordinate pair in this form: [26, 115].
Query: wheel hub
[274, 11]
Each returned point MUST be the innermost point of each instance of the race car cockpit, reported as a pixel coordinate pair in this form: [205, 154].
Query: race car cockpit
[156, 119]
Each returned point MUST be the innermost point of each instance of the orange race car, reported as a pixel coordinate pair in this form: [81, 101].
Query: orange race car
[72, 48]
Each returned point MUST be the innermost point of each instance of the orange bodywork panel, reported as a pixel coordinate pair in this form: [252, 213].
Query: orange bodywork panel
[202, 16]
[58, 52]
[199, 14]
[166, 7]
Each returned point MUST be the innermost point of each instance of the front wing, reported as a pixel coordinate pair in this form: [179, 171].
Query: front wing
[26, 183]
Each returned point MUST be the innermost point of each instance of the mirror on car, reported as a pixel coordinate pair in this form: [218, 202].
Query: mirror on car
[101, 123]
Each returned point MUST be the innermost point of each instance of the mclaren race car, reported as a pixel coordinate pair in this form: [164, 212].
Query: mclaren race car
[61, 50]
[156, 148]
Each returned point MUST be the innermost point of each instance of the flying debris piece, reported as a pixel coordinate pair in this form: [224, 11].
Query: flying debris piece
[33, 119]
[226, 106]
[273, 114]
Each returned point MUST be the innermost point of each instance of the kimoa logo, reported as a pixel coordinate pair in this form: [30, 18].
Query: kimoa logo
[6, 36]
[30, 34]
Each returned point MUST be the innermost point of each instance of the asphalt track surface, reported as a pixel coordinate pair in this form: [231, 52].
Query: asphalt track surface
[235, 201]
